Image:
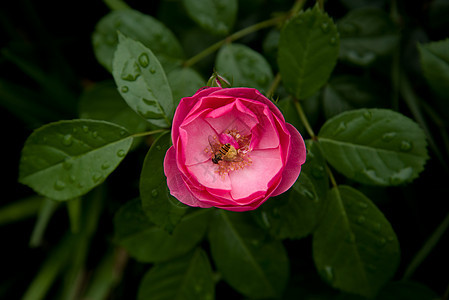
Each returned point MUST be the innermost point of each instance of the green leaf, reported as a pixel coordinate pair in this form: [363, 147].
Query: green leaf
[435, 64]
[142, 82]
[244, 67]
[66, 159]
[315, 168]
[308, 51]
[184, 83]
[354, 248]
[351, 92]
[148, 243]
[103, 102]
[251, 263]
[374, 146]
[366, 33]
[407, 290]
[296, 215]
[157, 203]
[216, 16]
[143, 28]
[189, 277]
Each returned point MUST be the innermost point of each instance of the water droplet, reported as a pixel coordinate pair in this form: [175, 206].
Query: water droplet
[105, 166]
[350, 238]
[372, 176]
[158, 147]
[96, 177]
[377, 227]
[363, 205]
[67, 164]
[360, 220]
[67, 140]
[154, 193]
[325, 27]
[80, 185]
[401, 176]
[362, 59]
[405, 146]
[328, 273]
[130, 71]
[121, 153]
[318, 172]
[390, 238]
[340, 128]
[124, 89]
[144, 60]
[85, 128]
[94, 134]
[367, 115]
[348, 28]
[72, 179]
[381, 242]
[59, 185]
[152, 70]
[333, 40]
[389, 136]
[308, 194]
[123, 132]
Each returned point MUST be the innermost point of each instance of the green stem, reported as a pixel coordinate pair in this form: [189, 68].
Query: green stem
[148, 132]
[427, 248]
[304, 119]
[235, 36]
[299, 4]
[274, 85]
[116, 4]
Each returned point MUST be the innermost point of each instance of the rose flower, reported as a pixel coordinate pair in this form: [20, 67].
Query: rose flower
[232, 149]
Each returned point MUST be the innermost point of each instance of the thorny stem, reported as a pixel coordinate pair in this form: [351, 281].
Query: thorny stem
[235, 36]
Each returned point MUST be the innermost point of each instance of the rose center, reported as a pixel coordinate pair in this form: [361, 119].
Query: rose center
[229, 151]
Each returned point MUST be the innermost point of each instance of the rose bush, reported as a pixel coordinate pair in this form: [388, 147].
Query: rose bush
[262, 157]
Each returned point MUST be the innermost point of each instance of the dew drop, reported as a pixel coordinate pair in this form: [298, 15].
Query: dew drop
[360, 220]
[340, 128]
[318, 172]
[152, 70]
[325, 27]
[80, 185]
[350, 238]
[72, 179]
[381, 242]
[105, 166]
[96, 177]
[377, 227]
[130, 71]
[95, 134]
[123, 132]
[158, 147]
[389, 136]
[367, 115]
[390, 238]
[405, 146]
[67, 164]
[124, 89]
[154, 193]
[333, 40]
[363, 205]
[308, 194]
[121, 153]
[59, 185]
[67, 140]
[85, 128]
[401, 176]
[144, 60]
[328, 273]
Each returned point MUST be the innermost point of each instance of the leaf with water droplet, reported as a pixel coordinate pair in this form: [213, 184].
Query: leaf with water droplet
[144, 28]
[306, 58]
[144, 60]
[249, 261]
[245, 66]
[152, 83]
[187, 275]
[435, 65]
[349, 244]
[375, 151]
[160, 207]
[51, 167]
[217, 17]
[366, 33]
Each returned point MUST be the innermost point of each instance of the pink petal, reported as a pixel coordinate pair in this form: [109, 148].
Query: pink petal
[265, 135]
[175, 182]
[296, 157]
[252, 179]
[206, 174]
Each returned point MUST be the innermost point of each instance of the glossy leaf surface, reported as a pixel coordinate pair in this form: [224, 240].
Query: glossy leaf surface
[66, 159]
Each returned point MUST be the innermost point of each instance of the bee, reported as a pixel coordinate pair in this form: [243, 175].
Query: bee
[225, 152]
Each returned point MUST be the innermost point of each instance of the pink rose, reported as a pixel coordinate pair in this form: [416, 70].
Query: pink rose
[232, 149]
